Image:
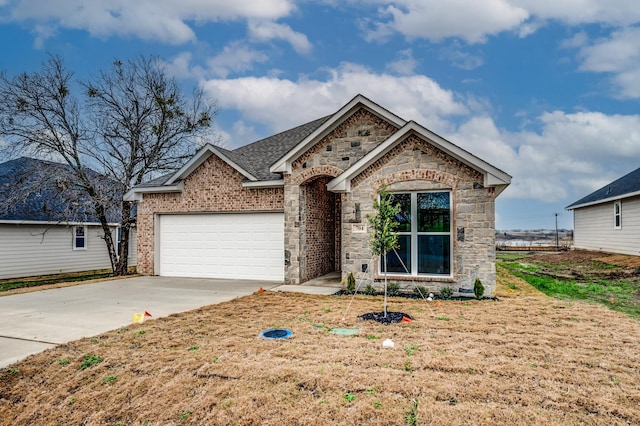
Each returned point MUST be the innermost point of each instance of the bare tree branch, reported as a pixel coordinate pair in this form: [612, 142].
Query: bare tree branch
[126, 124]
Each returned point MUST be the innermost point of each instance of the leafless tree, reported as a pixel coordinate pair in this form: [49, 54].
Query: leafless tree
[124, 125]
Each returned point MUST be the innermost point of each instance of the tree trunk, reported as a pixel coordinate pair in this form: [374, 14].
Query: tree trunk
[385, 283]
[122, 265]
[108, 238]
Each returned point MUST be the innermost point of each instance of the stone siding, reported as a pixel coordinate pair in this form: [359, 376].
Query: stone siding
[416, 165]
[319, 229]
[213, 187]
[330, 156]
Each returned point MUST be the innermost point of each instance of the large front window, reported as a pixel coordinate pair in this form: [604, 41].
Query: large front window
[424, 234]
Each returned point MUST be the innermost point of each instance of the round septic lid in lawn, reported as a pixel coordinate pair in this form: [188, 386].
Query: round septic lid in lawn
[276, 333]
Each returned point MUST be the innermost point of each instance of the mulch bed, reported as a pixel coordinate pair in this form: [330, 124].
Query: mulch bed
[392, 317]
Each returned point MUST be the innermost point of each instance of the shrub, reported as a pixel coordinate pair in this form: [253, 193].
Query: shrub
[351, 283]
[421, 291]
[478, 289]
[370, 290]
[446, 292]
[393, 289]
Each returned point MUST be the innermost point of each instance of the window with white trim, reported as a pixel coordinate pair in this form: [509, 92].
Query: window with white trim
[118, 241]
[79, 237]
[617, 214]
[424, 235]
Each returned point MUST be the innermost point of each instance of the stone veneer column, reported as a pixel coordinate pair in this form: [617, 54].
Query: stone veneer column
[291, 232]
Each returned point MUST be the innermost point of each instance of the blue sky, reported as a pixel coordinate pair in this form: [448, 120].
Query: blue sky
[548, 91]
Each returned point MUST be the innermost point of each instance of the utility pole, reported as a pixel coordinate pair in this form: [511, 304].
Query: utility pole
[557, 242]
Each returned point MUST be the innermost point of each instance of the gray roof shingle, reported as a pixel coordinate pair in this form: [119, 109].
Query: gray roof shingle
[44, 191]
[257, 157]
[263, 153]
[627, 184]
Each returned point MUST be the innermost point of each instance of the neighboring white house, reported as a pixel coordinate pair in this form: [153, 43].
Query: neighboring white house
[35, 239]
[609, 219]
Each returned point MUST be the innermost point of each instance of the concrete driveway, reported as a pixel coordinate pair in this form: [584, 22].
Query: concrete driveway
[32, 322]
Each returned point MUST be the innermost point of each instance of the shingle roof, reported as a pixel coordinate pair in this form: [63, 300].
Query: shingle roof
[263, 153]
[43, 191]
[159, 181]
[627, 184]
[257, 157]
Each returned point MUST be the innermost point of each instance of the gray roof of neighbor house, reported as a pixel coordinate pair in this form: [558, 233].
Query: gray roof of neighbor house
[33, 190]
[628, 185]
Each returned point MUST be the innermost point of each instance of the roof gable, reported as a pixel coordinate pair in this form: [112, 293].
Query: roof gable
[263, 162]
[284, 163]
[201, 156]
[624, 187]
[493, 176]
[252, 161]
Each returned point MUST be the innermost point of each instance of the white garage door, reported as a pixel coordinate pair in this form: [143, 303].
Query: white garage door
[235, 246]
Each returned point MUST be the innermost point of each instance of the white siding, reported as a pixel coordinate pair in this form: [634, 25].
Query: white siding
[133, 244]
[31, 250]
[594, 228]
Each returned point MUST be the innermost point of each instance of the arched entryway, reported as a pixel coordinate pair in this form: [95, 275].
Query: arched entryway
[320, 229]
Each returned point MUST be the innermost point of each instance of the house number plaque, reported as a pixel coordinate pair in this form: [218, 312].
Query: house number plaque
[359, 228]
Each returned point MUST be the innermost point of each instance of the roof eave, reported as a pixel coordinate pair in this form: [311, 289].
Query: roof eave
[264, 184]
[135, 194]
[49, 222]
[603, 200]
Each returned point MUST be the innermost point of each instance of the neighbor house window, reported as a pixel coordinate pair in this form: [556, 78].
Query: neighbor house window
[79, 237]
[617, 215]
[424, 234]
[119, 241]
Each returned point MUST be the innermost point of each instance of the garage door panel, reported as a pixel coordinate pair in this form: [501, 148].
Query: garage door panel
[235, 246]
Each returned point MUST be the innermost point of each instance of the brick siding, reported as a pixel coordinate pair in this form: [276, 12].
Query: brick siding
[213, 187]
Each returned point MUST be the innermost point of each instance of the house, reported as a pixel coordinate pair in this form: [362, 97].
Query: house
[609, 219]
[293, 206]
[41, 231]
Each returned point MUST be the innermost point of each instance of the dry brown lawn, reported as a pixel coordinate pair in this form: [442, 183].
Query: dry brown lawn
[525, 359]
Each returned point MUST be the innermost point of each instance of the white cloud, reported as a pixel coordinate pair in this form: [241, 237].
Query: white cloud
[619, 52]
[571, 156]
[617, 55]
[576, 41]
[404, 65]
[474, 21]
[459, 58]
[180, 67]
[575, 12]
[281, 104]
[167, 21]
[242, 134]
[235, 57]
[267, 30]
[435, 20]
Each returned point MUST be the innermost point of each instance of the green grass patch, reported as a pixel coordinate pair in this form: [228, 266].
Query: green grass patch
[622, 295]
[12, 284]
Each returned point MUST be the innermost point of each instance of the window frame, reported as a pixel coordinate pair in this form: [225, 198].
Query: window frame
[617, 214]
[118, 241]
[414, 235]
[76, 237]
